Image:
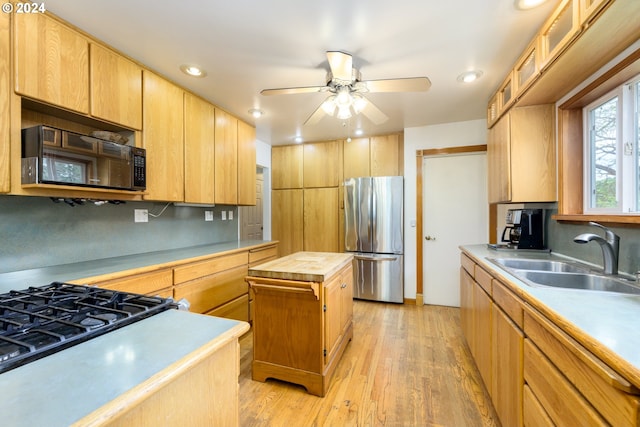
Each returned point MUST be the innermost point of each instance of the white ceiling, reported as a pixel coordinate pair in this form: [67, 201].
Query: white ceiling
[249, 45]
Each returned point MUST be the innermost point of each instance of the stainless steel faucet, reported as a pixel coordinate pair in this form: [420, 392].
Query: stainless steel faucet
[610, 247]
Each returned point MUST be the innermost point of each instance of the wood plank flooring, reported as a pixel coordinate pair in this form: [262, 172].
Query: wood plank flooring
[406, 366]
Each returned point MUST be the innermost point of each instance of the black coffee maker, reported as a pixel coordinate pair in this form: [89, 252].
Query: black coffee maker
[525, 229]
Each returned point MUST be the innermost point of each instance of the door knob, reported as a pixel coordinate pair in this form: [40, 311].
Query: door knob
[429, 238]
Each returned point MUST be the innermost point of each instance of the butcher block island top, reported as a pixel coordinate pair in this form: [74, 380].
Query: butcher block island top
[303, 266]
[302, 317]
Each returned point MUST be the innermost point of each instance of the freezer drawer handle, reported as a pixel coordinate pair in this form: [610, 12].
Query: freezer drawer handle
[370, 258]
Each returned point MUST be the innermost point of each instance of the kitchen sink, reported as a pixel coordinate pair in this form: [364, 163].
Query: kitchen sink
[563, 274]
[592, 282]
[539, 265]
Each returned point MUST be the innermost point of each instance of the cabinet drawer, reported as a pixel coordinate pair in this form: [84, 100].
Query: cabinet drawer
[563, 403]
[262, 255]
[607, 391]
[533, 413]
[467, 263]
[237, 309]
[483, 278]
[211, 291]
[145, 283]
[207, 267]
[508, 302]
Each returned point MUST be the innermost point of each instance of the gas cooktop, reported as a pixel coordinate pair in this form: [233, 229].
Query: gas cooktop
[39, 321]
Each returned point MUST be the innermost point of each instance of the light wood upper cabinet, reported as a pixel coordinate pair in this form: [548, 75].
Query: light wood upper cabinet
[357, 158]
[51, 62]
[375, 156]
[322, 164]
[116, 88]
[521, 156]
[558, 31]
[199, 149]
[286, 165]
[5, 102]
[163, 138]
[226, 159]
[527, 68]
[386, 155]
[246, 164]
[321, 222]
[499, 160]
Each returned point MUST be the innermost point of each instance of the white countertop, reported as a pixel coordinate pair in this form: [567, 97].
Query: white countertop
[610, 322]
[66, 386]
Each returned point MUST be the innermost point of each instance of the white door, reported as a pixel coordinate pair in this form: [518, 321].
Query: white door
[455, 212]
[251, 216]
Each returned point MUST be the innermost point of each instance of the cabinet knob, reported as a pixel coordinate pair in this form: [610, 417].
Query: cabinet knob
[344, 285]
[429, 238]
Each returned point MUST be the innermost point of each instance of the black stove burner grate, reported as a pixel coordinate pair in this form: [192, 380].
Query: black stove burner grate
[39, 321]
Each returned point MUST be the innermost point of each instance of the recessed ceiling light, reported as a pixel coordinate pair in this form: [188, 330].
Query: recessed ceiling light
[358, 132]
[256, 113]
[193, 71]
[298, 139]
[527, 4]
[469, 76]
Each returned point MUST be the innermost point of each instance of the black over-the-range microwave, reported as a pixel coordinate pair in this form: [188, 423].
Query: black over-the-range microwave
[56, 156]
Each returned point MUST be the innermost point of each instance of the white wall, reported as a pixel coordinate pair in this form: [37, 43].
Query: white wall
[457, 134]
[263, 159]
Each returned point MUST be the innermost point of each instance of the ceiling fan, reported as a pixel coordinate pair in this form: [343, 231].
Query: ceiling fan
[346, 88]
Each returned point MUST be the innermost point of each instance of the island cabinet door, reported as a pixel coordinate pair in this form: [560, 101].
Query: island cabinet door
[287, 326]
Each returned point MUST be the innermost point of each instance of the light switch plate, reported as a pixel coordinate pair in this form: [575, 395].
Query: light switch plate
[230, 214]
[208, 215]
[224, 215]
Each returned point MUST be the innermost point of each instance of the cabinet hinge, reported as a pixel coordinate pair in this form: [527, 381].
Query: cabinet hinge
[324, 308]
[325, 352]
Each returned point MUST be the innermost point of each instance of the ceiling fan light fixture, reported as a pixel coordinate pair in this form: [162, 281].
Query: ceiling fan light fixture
[344, 98]
[192, 70]
[359, 103]
[329, 105]
[469, 76]
[344, 112]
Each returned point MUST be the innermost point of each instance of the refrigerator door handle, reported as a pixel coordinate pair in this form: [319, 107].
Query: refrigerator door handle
[378, 258]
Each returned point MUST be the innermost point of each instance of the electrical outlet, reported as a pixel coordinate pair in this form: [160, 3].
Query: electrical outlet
[140, 215]
[208, 215]
[230, 214]
[224, 215]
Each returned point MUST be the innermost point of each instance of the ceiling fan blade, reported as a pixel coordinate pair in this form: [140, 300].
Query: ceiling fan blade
[315, 117]
[341, 65]
[412, 84]
[374, 114]
[293, 90]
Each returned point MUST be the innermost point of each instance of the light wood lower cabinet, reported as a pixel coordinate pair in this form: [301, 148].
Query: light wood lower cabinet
[153, 283]
[539, 374]
[507, 341]
[558, 369]
[211, 284]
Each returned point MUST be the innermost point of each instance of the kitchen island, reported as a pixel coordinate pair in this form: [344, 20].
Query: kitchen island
[303, 311]
[172, 369]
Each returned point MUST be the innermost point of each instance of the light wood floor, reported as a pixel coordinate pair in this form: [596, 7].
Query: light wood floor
[406, 366]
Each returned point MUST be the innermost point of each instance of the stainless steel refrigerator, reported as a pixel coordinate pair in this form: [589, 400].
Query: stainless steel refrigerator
[373, 218]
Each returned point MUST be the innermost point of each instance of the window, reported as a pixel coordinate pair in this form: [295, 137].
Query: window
[612, 140]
